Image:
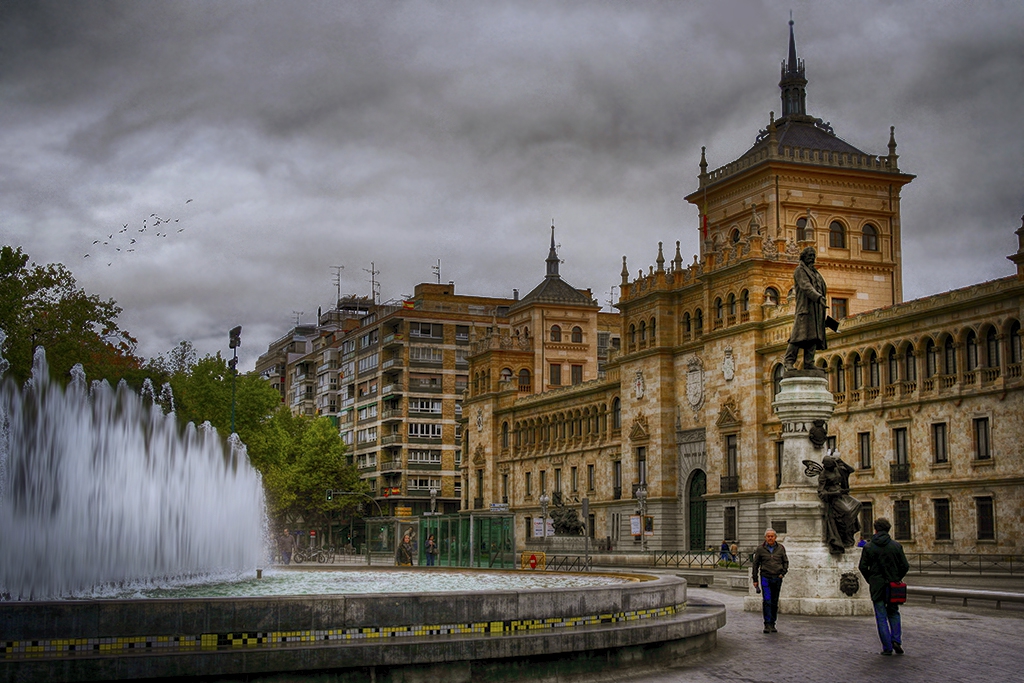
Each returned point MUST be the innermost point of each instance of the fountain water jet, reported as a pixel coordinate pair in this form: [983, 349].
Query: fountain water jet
[98, 486]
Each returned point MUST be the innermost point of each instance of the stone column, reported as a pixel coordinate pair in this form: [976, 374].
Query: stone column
[812, 585]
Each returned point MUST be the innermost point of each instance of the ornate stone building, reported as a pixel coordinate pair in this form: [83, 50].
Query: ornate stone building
[930, 399]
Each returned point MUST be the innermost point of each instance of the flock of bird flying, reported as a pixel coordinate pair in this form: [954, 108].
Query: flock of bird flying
[129, 239]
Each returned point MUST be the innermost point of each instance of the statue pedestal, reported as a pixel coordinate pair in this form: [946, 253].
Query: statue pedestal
[812, 585]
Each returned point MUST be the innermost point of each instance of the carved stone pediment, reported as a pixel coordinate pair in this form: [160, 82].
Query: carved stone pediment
[639, 430]
[728, 415]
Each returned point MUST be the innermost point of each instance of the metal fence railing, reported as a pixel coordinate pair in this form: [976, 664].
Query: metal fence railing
[965, 563]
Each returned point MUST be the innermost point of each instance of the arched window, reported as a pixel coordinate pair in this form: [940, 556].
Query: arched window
[874, 380]
[1016, 350]
[699, 316]
[524, 380]
[732, 305]
[894, 366]
[858, 368]
[556, 333]
[837, 235]
[971, 346]
[777, 379]
[506, 374]
[643, 331]
[869, 238]
[771, 296]
[718, 308]
[804, 232]
[839, 377]
[632, 334]
[735, 235]
[577, 335]
[745, 300]
[910, 364]
[504, 434]
[616, 414]
[931, 359]
[949, 357]
[991, 348]
[654, 330]
[687, 324]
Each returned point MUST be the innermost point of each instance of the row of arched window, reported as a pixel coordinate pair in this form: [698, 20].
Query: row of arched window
[642, 332]
[576, 335]
[837, 235]
[942, 355]
[590, 421]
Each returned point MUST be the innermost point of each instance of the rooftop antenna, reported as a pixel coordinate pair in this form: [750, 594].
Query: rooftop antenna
[374, 285]
[337, 279]
[611, 298]
[437, 271]
[297, 314]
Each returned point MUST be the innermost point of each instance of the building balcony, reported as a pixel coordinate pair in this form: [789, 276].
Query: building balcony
[391, 414]
[730, 484]
[393, 339]
[390, 439]
[899, 473]
[390, 465]
[426, 388]
[392, 364]
[388, 389]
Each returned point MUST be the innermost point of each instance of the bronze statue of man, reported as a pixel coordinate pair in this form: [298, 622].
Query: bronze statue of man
[809, 324]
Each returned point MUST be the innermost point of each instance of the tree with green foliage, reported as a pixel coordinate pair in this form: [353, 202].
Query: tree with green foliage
[302, 458]
[43, 306]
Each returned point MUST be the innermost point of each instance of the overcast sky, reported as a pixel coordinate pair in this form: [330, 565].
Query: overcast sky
[261, 144]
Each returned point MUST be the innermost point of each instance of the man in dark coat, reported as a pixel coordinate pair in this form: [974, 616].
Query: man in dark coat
[881, 562]
[771, 564]
[809, 322]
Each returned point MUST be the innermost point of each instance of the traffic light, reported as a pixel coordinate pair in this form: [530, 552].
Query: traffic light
[330, 495]
[235, 337]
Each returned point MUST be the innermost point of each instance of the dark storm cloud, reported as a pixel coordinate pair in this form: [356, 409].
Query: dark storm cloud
[315, 134]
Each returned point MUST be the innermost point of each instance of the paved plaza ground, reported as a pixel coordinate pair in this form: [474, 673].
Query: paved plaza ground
[944, 642]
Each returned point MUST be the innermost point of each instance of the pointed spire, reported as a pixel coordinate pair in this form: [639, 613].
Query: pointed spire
[552, 259]
[660, 260]
[677, 262]
[625, 272]
[703, 162]
[893, 156]
[793, 83]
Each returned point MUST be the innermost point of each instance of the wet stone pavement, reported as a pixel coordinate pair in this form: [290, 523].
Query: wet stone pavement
[943, 642]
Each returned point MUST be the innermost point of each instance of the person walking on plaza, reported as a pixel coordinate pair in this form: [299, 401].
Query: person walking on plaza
[723, 552]
[286, 545]
[882, 561]
[770, 565]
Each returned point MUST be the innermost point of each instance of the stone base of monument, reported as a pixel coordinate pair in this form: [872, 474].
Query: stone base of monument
[815, 581]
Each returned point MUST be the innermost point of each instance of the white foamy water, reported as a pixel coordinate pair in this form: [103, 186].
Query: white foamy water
[98, 487]
[282, 582]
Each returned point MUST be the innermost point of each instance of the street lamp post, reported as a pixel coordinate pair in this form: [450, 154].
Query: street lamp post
[234, 341]
[641, 495]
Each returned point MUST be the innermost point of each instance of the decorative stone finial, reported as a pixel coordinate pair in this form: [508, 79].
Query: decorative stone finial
[660, 260]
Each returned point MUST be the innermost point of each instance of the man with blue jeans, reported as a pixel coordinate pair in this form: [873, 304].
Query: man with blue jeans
[770, 564]
[881, 562]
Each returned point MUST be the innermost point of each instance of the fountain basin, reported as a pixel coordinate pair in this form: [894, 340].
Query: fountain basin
[466, 634]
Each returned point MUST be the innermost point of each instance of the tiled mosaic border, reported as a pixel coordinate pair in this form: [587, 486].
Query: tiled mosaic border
[141, 645]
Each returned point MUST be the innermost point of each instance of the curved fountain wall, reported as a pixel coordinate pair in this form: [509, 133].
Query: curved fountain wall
[99, 486]
[451, 636]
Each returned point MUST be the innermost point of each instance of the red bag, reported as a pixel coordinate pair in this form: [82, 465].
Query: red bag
[896, 593]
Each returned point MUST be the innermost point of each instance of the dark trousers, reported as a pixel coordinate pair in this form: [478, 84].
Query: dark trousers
[887, 619]
[770, 589]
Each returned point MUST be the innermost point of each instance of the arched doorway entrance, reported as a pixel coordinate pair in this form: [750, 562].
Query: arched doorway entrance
[698, 511]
